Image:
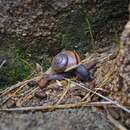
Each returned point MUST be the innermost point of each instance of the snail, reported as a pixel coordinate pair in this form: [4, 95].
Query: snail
[65, 65]
[70, 60]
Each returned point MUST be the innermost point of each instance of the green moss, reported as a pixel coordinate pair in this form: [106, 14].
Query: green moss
[17, 69]
[21, 60]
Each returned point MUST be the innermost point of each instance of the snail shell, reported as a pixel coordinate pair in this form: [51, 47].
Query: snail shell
[65, 60]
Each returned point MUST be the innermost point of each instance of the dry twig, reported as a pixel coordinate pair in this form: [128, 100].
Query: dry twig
[98, 94]
[28, 96]
[64, 92]
[116, 123]
[53, 107]
[23, 83]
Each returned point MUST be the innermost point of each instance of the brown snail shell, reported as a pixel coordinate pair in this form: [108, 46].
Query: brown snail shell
[65, 60]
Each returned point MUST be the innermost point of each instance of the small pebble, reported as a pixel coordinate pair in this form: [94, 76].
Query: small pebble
[41, 94]
[32, 84]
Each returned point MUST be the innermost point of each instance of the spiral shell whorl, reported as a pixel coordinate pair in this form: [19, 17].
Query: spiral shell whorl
[64, 60]
[59, 62]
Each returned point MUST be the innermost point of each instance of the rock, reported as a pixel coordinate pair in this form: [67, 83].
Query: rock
[115, 113]
[128, 122]
[71, 119]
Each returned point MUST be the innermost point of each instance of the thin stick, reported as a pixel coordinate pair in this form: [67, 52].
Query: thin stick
[116, 123]
[26, 92]
[14, 93]
[53, 107]
[64, 92]
[113, 102]
[13, 87]
[9, 96]
[3, 102]
[27, 97]
[108, 77]
[86, 96]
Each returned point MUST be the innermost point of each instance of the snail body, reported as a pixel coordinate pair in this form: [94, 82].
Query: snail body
[82, 73]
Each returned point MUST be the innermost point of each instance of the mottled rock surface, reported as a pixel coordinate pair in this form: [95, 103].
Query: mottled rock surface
[78, 119]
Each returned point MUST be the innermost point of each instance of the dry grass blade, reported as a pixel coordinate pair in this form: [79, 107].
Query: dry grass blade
[14, 93]
[64, 93]
[107, 99]
[13, 87]
[107, 79]
[26, 97]
[4, 101]
[53, 107]
[116, 123]
[86, 96]
[25, 82]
